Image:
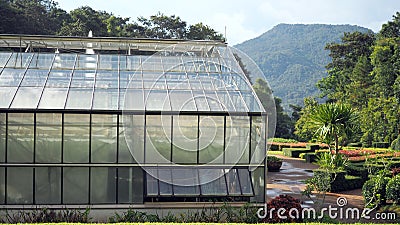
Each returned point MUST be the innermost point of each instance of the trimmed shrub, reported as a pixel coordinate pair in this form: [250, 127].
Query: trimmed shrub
[357, 171]
[374, 190]
[274, 147]
[286, 202]
[295, 152]
[313, 147]
[395, 144]
[393, 189]
[356, 144]
[380, 144]
[310, 157]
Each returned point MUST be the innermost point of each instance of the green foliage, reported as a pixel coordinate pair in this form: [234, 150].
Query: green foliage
[292, 57]
[332, 162]
[393, 189]
[271, 158]
[395, 144]
[333, 121]
[45, 17]
[374, 190]
[282, 140]
[294, 152]
[45, 215]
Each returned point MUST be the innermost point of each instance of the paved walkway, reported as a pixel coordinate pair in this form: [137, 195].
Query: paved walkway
[290, 180]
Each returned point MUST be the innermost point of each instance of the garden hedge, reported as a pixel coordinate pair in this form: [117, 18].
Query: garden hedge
[295, 152]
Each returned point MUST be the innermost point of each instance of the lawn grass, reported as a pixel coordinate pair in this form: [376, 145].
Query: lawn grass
[274, 152]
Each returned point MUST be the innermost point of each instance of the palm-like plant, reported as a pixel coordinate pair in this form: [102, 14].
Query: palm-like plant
[333, 121]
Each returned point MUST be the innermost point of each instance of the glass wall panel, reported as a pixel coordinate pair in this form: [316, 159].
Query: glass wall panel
[48, 185]
[151, 183]
[257, 176]
[2, 137]
[130, 185]
[158, 139]
[211, 140]
[103, 185]
[76, 138]
[258, 145]
[20, 137]
[75, 185]
[64, 61]
[131, 130]
[48, 137]
[2, 185]
[213, 182]
[232, 180]
[237, 139]
[104, 138]
[185, 182]
[19, 185]
[245, 182]
[133, 99]
[185, 139]
[157, 100]
[165, 181]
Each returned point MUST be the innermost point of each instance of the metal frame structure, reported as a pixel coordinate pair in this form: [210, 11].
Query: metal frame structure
[60, 106]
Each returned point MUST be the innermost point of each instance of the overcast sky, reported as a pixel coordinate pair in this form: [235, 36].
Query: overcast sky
[247, 19]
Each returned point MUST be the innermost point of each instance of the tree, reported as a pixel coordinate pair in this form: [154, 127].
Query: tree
[392, 28]
[164, 27]
[200, 31]
[333, 122]
[302, 129]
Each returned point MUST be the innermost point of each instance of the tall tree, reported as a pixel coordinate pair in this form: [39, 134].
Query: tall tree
[164, 27]
[200, 31]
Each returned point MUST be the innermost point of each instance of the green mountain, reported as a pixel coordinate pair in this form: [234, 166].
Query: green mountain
[293, 57]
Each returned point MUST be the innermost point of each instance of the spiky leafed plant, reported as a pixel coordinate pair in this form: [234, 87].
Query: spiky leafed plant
[332, 121]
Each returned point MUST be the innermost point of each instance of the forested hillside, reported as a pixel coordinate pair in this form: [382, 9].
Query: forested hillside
[293, 57]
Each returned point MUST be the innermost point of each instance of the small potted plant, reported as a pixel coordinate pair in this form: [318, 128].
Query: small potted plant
[274, 163]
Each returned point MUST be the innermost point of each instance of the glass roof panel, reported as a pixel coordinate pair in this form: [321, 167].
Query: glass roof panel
[201, 102]
[59, 78]
[237, 101]
[7, 94]
[131, 62]
[105, 99]
[108, 62]
[83, 78]
[11, 77]
[34, 78]
[182, 100]
[88, 62]
[79, 98]
[27, 97]
[19, 60]
[157, 100]
[130, 80]
[107, 79]
[136, 95]
[53, 98]
[4, 56]
[42, 61]
[64, 61]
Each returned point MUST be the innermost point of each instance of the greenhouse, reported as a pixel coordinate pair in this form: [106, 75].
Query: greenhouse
[106, 121]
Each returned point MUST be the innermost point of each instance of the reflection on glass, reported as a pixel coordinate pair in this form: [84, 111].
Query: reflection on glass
[185, 139]
[165, 181]
[245, 182]
[257, 176]
[158, 139]
[213, 182]
[59, 78]
[48, 137]
[211, 140]
[103, 185]
[48, 185]
[106, 99]
[2, 137]
[237, 139]
[19, 185]
[20, 137]
[151, 183]
[79, 98]
[232, 180]
[11, 77]
[76, 138]
[185, 182]
[104, 138]
[75, 185]
[131, 131]
[130, 185]
[258, 145]
[2, 185]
